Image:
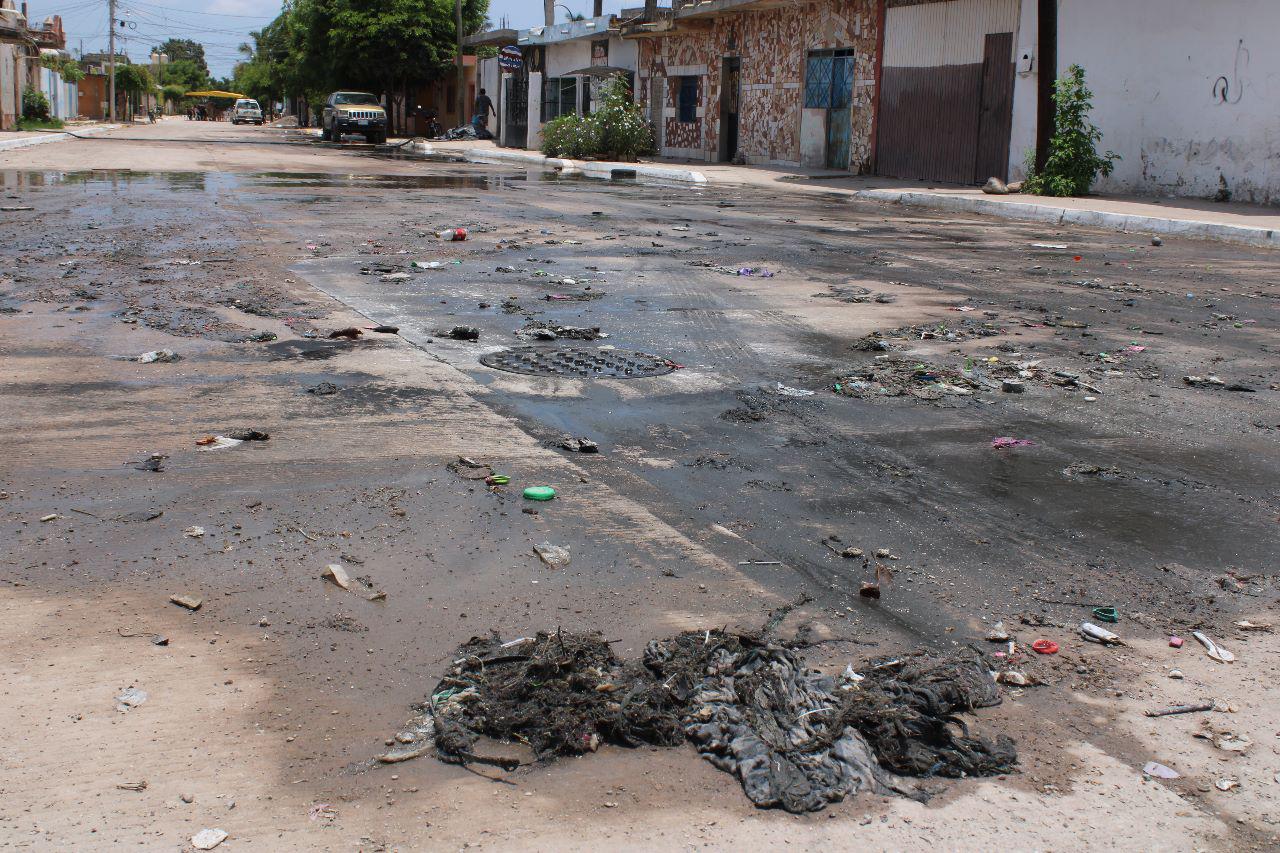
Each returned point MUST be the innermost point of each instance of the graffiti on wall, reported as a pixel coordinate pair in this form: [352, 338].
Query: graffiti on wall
[1231, 90]
[772, 45]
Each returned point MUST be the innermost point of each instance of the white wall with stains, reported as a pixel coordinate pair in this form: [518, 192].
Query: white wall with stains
[1186, 91]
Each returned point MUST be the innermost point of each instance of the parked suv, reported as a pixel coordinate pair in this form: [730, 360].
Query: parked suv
[246, 111]
[354, 112]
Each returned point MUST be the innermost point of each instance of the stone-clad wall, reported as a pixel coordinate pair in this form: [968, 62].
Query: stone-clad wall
[772, 45]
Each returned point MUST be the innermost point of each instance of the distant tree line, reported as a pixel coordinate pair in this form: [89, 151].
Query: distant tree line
[388, 47]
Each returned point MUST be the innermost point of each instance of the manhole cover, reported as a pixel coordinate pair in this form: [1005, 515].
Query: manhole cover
[577, 362]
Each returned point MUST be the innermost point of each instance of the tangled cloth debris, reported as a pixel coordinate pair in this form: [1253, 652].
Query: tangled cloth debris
[794, 737]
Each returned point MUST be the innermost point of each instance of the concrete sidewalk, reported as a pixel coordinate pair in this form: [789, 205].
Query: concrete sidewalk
[1251, 225]
[1234, 223]
[25, 139]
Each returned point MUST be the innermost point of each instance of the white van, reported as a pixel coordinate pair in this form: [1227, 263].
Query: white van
[246, 111]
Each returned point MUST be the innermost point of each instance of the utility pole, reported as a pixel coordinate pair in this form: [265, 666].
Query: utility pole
[462, 76]
[111, 60]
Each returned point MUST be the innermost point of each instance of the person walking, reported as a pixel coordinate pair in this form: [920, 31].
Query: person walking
[480, 114]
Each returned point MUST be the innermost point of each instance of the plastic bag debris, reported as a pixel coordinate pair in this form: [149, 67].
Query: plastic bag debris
[217, 442]
[130, 698]
[207, 839]
[1159, 771]
[793, 737]
[338, 576]
[1093, 632]
[160, 356]
[579, 445]
[554, 556]
[1214, 650]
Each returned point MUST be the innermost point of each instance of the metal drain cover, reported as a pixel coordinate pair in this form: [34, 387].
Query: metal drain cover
[577, 362]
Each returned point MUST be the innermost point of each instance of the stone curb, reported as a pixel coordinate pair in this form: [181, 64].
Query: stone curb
[27, 142]
[1035, 212]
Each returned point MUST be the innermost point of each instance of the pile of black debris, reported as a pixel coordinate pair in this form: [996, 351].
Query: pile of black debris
[794, 737]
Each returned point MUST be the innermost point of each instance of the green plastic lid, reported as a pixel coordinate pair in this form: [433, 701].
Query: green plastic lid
[539, 493]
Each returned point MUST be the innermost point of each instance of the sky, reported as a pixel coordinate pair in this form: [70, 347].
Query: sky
[221, 25]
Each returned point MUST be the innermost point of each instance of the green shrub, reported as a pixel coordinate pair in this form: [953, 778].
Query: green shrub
[1073, 160]
[572, 136]
[615, 131]
[39, 124]
[35, 105]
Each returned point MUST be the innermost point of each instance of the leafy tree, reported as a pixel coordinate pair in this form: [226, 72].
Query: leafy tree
[184, 72]
[384, 46]
[67, 68]
[1073, 161]
[133, 79]
[185, 50]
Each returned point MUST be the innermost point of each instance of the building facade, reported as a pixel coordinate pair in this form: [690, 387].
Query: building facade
[562, 67]
[761, 82]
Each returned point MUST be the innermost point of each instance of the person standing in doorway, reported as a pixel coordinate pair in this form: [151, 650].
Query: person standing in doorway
[480, 114]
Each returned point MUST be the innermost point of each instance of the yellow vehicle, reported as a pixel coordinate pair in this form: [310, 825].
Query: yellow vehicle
[354, 112]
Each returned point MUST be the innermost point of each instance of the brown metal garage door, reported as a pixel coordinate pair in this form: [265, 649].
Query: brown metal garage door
[946, 97]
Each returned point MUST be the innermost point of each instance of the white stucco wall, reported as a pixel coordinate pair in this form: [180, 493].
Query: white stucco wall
[1186, 91]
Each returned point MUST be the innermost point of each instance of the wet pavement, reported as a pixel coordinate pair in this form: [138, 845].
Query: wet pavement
[721, 488]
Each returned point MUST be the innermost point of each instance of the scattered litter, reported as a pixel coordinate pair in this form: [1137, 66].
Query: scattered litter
[1059, 246]
[1159, 771]
[153, 463]
[1099, 635]
[1215, 651]
[396, 276]
[130, 698]
[337, 575]
[1045, 647]
[428, 265]
[323, 812]
[1180, 709]
[53, 516]
[193, 532]
[462, 333]
[998, 633]
[1106, 614]
[579, 445]
[217, 442]
[324, 389]
[1246, 625]
[207, 839]
[248, 435]
[539, 493]
[795, 738]
[457, 235]
[140, 785]
[1013, 677]
[351, 333]
[554, 556]
[1004, 441]
[873, 589]
[469, 469]
[788, 391]
[159, 356]
[190, 602]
